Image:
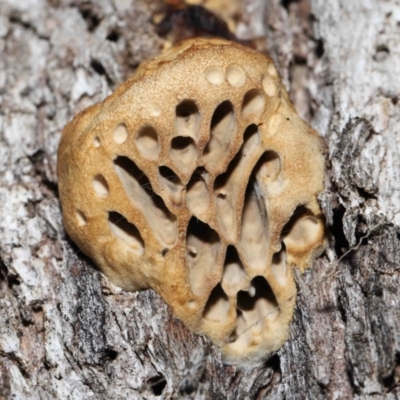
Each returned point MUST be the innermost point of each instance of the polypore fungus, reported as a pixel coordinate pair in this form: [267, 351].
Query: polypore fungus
[198, 179]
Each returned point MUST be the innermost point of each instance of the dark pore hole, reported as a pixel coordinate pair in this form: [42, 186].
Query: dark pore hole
[223, 128]
[262, 291]
[232, 255]
[222, 111]
[192, 21]
[299, 213]
[157, 384]
[382, 53]
[197, 176]
[197, 196]
[188, 120]
[201, 231]
[274, 362]
[233, 165]
[98, 67]
[319, 48]
[181, 142]
[337, 231]
[91, 13]
[278, 257]
[222, 179]
[269, 156]
[253, 102]
[202, 255]
[286, 3]
[110, 355]
[132, 170]
[250, 131]
[168, 174]
[147, 142]
[113, 36]
[217, 307]
[126, 231]
[186, 109]
[390, 381]
[268, 166]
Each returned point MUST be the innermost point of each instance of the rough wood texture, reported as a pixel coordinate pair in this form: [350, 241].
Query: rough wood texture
[66, 333]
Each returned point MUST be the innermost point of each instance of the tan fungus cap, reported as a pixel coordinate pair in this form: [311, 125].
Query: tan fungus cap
[197, 178]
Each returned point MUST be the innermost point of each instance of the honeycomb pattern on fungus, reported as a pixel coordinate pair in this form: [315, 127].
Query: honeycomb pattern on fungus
[198, 179]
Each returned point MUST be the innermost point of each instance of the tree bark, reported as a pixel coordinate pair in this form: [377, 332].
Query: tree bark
[67, 333]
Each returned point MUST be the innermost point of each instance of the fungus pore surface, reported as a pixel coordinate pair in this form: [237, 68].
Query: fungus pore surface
[197, 178]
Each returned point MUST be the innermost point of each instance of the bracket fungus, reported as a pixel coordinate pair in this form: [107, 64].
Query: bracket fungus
[197, 178]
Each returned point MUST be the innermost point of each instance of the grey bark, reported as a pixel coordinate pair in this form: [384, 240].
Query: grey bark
[67, 333]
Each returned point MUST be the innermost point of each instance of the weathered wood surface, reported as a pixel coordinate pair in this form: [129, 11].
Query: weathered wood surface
[67, 333]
